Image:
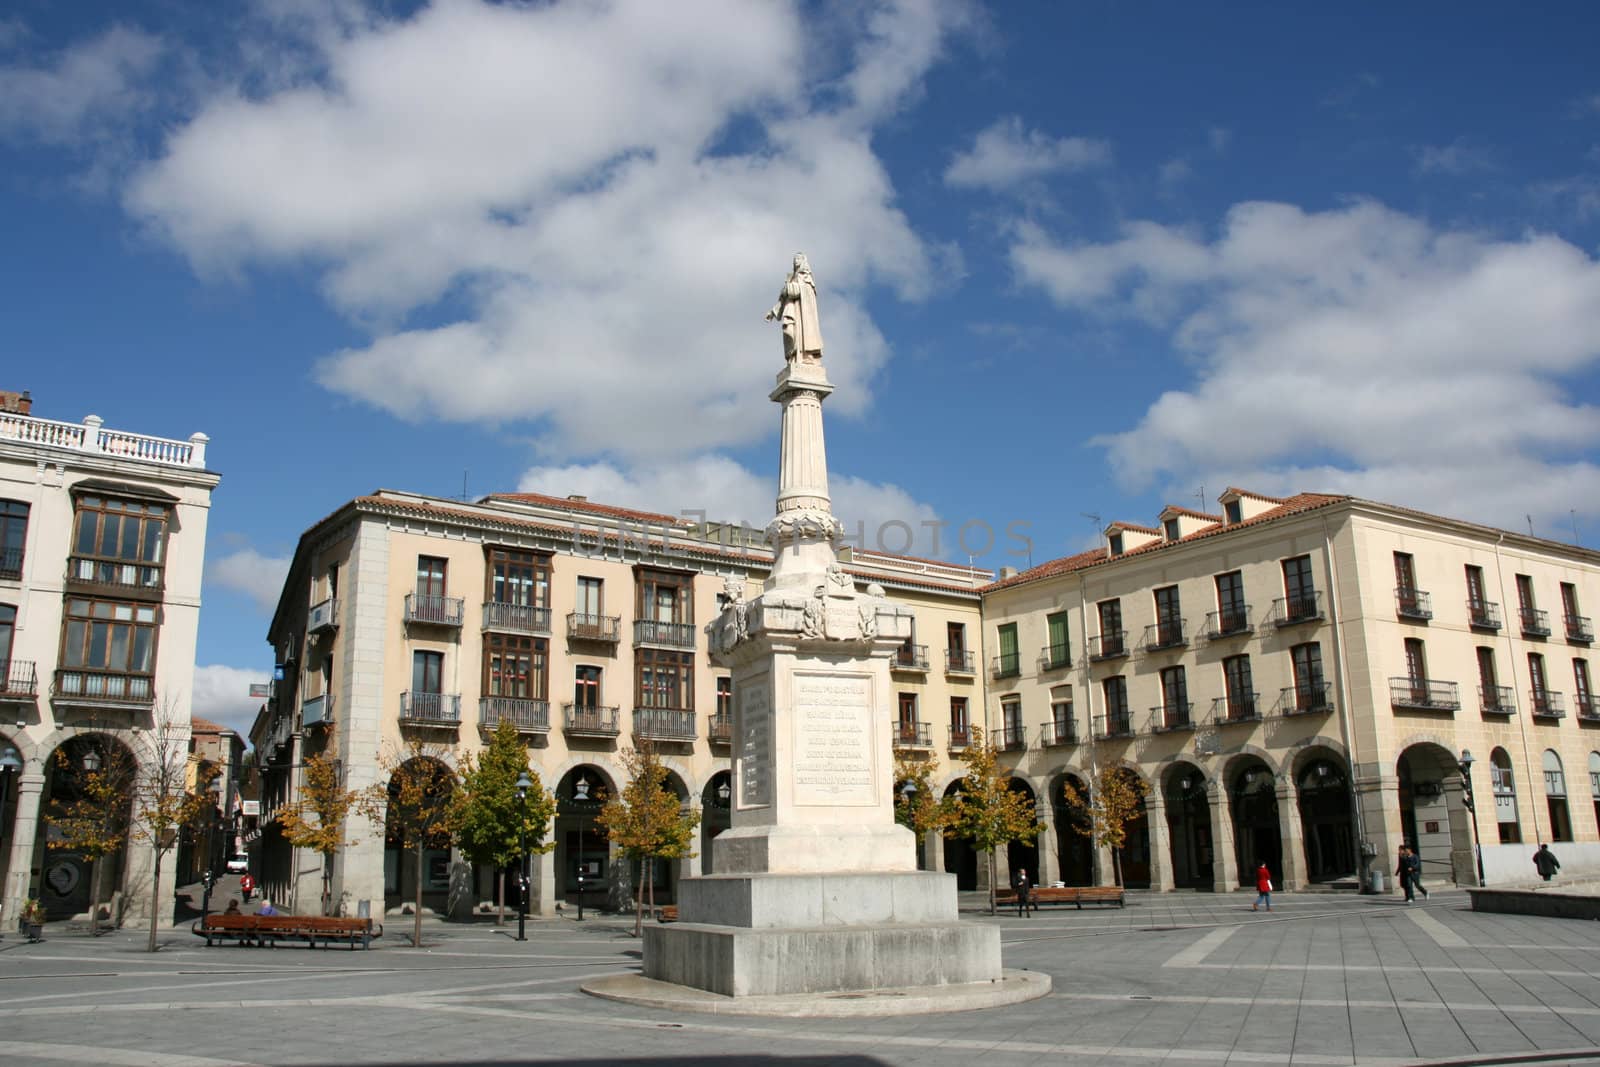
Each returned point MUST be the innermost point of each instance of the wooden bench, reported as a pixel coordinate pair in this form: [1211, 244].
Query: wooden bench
[1071, 894]
[268, 930]
[667, 913]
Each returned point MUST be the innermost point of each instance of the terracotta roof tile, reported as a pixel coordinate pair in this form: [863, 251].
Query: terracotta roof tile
[1134, 527]
[205, 726]
[587, 508]
[1181, 510]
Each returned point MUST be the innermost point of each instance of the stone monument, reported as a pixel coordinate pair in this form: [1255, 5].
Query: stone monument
[816, 901]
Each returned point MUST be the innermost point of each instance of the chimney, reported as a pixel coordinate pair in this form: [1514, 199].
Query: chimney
[577, 498]
[1007, 572]
[16, 403]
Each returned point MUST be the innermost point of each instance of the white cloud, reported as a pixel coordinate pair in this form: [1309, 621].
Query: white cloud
[222, 694]
[78, 89]
[249, 572]
[1455, 158]
[615, 252]
[1007, 155]
[1358, 349]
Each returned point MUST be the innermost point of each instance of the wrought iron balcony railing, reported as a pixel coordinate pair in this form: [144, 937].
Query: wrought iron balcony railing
[1497, 700]
[910, 658]
[1535, 623]
[911, 735]
[1007, 665]
[10, 563]
[1174, 715]
[1424, 694]
[585, 627]
[1117, 724]
[960, 738]
[1546, 705]
[104, 687]
[1413, 603]
[1578, 628]
[665, 634]
[1586, 707]
[527, 715]
[1296, 609]
[589, 720]
[957, 661]
[1055, 657]
[1483, 615]
[1228, 622]
[317, 711]
[1112, 644]
[1169, 633]
[1011, 738]
[434, 610]
[516, 618]
[1236, 707]
[18, 679]
[720, 731]
[1060, 732]
[664, 724]
[323, 616]
[1306, 698]
[432, 709]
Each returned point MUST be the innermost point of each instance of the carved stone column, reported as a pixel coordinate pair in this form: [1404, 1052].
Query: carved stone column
[1291, 835]
[23, 838]
[1224, 863]
[1155, 809]
[1049, 859]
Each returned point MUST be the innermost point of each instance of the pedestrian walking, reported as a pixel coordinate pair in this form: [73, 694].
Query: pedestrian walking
[1414, 861]
[247, 885]
[1024, 897]
[1545, 862]
[1263, 888]
[1402, 871]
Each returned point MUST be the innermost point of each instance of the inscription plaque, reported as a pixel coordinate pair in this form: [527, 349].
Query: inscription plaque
[755, 745]
[833, 754]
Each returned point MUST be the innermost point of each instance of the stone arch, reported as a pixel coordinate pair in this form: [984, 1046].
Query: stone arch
[1433, 815]
[960, 858]
[1304, 751]
[1185, 791]
[1023, 855]
[405, 872]
[71, 882]
[582, 856]
[1251, 781]
[1324, 784]
[1075, 852]
[716, 814]
[1237, 757]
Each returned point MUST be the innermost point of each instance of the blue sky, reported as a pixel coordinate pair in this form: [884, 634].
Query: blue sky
[1075, 259]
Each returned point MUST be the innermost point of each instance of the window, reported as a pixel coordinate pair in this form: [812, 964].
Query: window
[1525, 601]
[8, 626]
[1110, 627]
[1169, 616]
[430, 576]
[908, 713]
[519, 578]
[1233, 511]
[1061, 714]
[1115, 541]
[1240, 685]
[427, 673]
[1308, 684]
[1405, 573]
[1594, 782]
[1569, 600]
[1009, 663]
[1174, 697]
[1476, 598]
[514, 666]
[1011, 729]
[586, 686]
[960, 727]
[590, 601]
[956, 637]
[1299, 588]
[110, 635]
[118, 542]
[13, 537]
[1582, 694]
[725, 698]
[665, 597]
[1505, 797]
[1170, 529]
[1232, 615]
[1488, 681]
[1539, 684]
[1059, 653]
[1555, 791]
[1116, 696]
[1416, 662]
[665, 679]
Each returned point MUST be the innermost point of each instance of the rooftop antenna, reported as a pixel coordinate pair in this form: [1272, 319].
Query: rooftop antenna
[1099, 523]
[1530, 524]
[463, 486]
[1575, 538]
[1201, 496]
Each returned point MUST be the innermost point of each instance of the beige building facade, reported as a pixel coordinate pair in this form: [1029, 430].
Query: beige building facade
[102, 544]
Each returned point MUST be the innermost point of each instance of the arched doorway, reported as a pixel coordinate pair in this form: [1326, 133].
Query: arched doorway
[1326, 820]
[1022, 855]
[416, 860]
[1189, 827]
[716, 814]
[1257, 837]
[88, 797]
[1504, 784]
[960, 859]
[1074, 849]
[1134, 856]
[1433, 818]
[583, 851]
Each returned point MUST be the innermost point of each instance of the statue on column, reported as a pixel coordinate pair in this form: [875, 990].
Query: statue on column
[796, 312]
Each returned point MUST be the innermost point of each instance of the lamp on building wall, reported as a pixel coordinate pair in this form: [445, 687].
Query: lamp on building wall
[91, 760]
[1472, 808]
[580, 795]
[524, 783]
[724, 792]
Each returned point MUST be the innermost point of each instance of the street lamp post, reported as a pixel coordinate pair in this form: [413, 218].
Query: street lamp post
[1472, 807]
[909, 792]
[580, 795]
[524, 783]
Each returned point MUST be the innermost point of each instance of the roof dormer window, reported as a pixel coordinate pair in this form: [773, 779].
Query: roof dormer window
[1116, 544]
[1170, 528]
[1233, 511]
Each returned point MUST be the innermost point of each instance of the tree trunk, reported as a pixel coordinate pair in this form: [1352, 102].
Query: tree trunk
[991, 882]
[1116, 866]
[652, 862]
[416, 925]
[155, 900]
[327, 885]
[500, 897]
[638, 903]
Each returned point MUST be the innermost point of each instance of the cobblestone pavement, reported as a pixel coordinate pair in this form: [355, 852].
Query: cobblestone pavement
[1181, 978]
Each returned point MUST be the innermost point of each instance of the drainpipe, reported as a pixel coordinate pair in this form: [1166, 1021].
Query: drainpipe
[1516, 696]
[1342, 673]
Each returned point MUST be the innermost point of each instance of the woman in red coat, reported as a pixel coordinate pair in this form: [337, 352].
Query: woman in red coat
[1263, 888]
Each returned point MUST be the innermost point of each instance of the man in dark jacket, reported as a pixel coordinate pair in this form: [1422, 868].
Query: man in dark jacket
[1545, 862]
[1023, 886]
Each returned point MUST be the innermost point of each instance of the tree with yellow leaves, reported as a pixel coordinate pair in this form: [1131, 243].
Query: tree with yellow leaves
[492, 824]
[164, 802]
[987, 811]
[1116, 798]
[648, 822]
[414, 806]
[316, 818]
[92, 811]
[918, 808]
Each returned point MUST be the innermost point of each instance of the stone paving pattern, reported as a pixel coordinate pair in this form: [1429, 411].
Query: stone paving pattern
[1181, 978]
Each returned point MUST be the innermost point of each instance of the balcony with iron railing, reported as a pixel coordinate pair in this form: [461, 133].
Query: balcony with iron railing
[516, 618]
[1011, 738]
[91, 436]
[1497, 700]
[18, 680]
[1055, 658]
[1164, 635]
[1306, 698]
[589, 720]
[1171, 716]
[1296, 609]
[1116, 724]
[1006, 665]
[1578, 628]
[323, 616]
[317, 711]
[1107, 646]
[1424, 694]
[11, 563]
[910, 658]
[431, 609]
[585, 627]
[104, 688]
[1546, 704]
[1228, 622]
[1535, 622]
[958, 661]
[911, 735]
[1058, 732]
[1483, 615]
[118, 574]
[720, 731]
[664, 724]
[960, 738]
[660, 634]
[529, 716]
[1586, 707]
[1236, 707]
[1413, 603]
[430, 709]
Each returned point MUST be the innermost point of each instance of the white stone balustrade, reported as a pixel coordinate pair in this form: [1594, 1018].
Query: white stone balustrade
[88, 436]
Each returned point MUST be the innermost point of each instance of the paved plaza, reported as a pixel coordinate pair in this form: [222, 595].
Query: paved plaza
[1182, 978]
